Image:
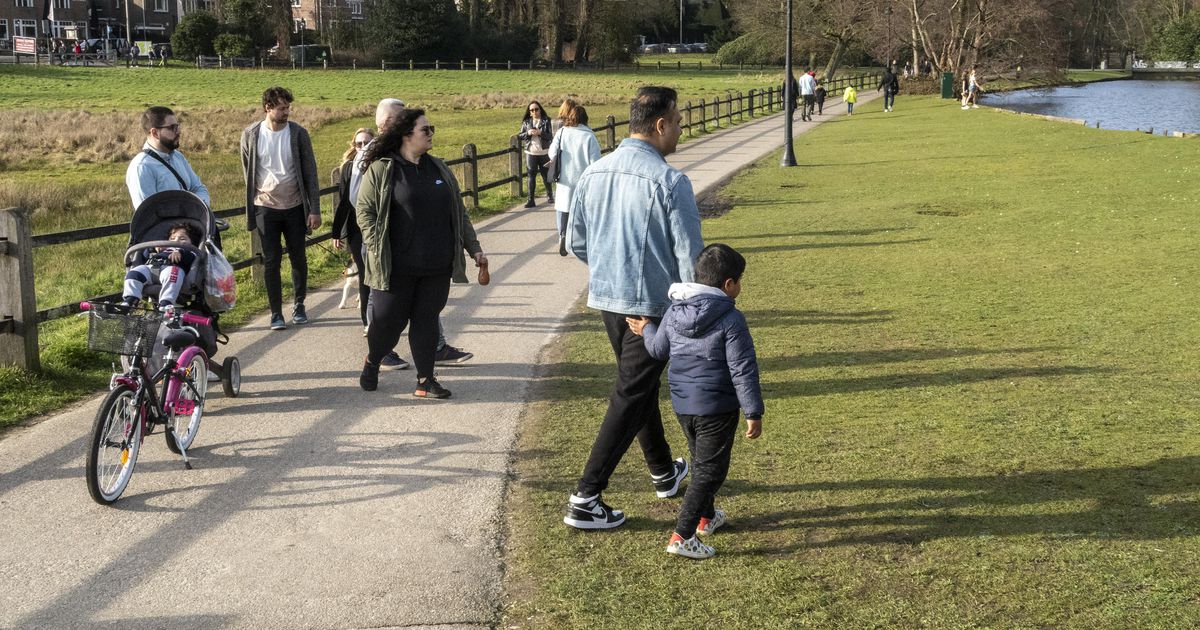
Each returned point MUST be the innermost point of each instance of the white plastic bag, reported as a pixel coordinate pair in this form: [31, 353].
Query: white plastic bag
[220, 287]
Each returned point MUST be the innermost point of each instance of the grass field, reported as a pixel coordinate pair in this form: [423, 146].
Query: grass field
[978, 339]
[66, 135]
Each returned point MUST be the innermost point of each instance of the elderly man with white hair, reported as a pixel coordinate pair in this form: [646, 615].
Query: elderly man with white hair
[387, 111]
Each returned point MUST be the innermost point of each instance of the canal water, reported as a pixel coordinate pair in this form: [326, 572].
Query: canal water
[1127, 104]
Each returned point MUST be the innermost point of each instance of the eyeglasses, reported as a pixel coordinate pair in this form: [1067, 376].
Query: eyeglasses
[174, 127]
[428, 129]
[359, 145]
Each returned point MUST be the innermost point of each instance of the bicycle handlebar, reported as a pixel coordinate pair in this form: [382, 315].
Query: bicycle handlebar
[85, 306]
[199, 320]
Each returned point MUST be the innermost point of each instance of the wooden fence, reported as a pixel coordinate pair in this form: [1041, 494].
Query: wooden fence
[476, 64]
[19, 316]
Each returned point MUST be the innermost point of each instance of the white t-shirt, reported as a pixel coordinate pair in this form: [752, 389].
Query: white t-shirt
[275, 170]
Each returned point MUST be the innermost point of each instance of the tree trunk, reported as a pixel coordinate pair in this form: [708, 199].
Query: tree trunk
[835, 58]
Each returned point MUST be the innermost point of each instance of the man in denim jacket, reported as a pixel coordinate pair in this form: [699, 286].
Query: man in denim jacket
[635, 223]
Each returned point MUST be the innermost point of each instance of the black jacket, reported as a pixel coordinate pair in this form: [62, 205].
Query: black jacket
[344, 221]
[543, 125]
[890, 83]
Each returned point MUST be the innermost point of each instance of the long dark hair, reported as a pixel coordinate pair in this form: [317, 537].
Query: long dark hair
[544, 115]
[388, 143]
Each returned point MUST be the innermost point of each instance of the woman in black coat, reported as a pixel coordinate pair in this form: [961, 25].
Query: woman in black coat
[345, 227]
[536, 134]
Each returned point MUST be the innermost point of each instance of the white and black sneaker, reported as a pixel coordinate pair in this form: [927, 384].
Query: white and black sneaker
[668, 485]
[592, 513]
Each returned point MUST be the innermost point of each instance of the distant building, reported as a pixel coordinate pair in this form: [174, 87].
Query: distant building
[152, 20]
[320, 15]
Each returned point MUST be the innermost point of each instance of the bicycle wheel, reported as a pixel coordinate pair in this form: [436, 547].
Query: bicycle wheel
[193, 387]
[116, 440]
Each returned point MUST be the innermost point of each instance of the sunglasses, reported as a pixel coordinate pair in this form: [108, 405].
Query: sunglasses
[535, 109]
[174, 127]
[428, 129]
[359, 145]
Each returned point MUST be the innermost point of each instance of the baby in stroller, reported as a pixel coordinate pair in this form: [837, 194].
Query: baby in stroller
[173, 265]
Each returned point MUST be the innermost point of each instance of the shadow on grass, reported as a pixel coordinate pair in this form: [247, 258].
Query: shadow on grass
[1120, 503]
[883, 382]
[862, 232]
[789, 247]
[773, 318]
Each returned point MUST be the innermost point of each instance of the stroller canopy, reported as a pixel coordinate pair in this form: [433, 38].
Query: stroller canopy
[153, 219]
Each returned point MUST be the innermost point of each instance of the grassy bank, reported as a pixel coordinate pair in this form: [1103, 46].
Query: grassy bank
[977, 335]
[67, 134]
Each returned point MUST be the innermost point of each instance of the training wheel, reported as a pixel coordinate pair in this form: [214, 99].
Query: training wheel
[231, 372]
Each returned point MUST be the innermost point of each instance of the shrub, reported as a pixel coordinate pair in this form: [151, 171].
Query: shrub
[194, 35]
[750, 48]
[1179, 39]
[233, 45]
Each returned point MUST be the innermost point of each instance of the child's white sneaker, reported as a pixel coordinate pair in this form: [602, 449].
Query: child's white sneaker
[689, 548]
[710, 525]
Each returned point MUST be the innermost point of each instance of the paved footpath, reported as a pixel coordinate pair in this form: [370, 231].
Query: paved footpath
[314, 504]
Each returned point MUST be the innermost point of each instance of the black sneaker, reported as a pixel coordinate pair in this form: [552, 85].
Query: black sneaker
[393, 362]
[669, 485]
[592, 513]
[530, 204]
[277, 322]
[369, 379]
[450, 354]
[298, 314]
[562, 245]
[430, 388]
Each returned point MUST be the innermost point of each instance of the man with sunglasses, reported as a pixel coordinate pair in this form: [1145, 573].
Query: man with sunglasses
[160, 165]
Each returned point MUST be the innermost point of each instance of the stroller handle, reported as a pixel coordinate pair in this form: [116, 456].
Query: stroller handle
[148, 244]
[195, 320]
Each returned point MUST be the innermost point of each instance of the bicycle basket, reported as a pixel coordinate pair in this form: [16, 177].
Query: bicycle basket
[121, 330]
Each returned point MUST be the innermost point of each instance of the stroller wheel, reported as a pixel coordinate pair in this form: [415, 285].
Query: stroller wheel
[231, 380]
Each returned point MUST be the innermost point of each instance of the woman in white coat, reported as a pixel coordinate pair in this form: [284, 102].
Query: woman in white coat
[574, 147]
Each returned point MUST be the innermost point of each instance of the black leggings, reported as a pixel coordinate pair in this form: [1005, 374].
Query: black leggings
[710, 439]
[538, 164]
[287, 225]
[418, 299]
[354, 244]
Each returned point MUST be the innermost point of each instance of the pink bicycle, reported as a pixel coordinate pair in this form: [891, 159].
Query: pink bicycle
[142, 398]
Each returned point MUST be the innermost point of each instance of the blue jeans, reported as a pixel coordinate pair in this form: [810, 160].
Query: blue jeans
[889, 100]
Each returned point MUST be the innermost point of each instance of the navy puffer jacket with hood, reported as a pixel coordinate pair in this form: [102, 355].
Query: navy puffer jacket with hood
[713, 368]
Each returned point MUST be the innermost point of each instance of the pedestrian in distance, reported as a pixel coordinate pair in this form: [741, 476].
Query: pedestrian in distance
[890, 86]
[971, 90]
[795, 94]
[415, 229]
[536, 135]
[713, 373]
[634, 221]
[850, 96]
[346, 234]
[808, 92]
[283, 201]
[820, 94]
[574, 148]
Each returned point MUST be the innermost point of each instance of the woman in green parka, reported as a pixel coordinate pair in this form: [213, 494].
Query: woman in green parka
[415, 230]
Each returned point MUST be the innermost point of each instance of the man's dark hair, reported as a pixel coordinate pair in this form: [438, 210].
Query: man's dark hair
[154, 117]
[650, 104]
[193, 232]
[276, 96]
[717, 263]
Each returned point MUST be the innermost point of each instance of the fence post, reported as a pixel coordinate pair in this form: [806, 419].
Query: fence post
[771, 100]
[471, 174]
[750, 103]
[18, 301]
[729, 108]
[688, 111]
[477, 64]
[510, 64]
[717, 113]
[610, 136]
[462, 65]
[741, 107]
[382, 65]
[437, 64]
[703, 117]
[514, 166]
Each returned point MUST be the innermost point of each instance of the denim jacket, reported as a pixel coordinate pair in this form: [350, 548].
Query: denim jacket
[635, 223]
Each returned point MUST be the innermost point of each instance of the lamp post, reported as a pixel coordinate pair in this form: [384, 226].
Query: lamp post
[789, 98]
[303, 25]
[680, 21]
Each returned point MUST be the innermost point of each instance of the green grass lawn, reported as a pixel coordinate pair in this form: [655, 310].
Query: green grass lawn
[977, 334]
[484, 108]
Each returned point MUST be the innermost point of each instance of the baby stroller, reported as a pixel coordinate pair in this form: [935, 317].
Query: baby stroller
[148, 229]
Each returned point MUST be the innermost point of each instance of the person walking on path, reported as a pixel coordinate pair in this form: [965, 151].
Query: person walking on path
[346, 234]
[415, 229]
[574, 149]
[971, 90]
[890, 86]
[795, 94]
[386, 113]
[161, 165]
[634, 221]
[808, 91]
[535, 133]
[821, 93]
[282, 198]
[850, 96]
[713, 374]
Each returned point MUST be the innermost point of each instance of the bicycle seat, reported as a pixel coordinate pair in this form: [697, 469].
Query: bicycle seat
[180, 339]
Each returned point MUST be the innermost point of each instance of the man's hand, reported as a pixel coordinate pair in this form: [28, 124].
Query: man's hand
[314, 221]
[636, 324]
[753, 428]
[480, 260]
[337, 243]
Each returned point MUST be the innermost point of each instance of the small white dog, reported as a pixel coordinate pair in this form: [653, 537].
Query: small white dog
[350, 286]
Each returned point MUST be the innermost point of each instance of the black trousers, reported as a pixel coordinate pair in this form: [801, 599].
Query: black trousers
[538, 164]
[415, 299]
[288, 225]
[809, 102]
[354, 243]
[710, 440]
[632, 411]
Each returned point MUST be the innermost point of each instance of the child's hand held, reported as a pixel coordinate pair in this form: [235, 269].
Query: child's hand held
[636, 324]
[753, 428]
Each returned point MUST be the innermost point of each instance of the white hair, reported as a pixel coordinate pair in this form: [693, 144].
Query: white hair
[387, 109]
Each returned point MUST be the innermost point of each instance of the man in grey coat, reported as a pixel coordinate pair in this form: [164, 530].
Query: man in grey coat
[282, 197]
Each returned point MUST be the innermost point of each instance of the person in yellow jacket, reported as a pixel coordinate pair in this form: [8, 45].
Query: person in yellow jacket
[850, 96]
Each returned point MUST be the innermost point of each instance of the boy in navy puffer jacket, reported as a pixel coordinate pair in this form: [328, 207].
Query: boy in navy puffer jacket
[713, 373]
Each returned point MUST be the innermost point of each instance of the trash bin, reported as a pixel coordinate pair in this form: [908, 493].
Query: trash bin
[947, 85]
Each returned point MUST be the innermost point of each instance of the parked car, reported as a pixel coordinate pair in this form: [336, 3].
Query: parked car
[700, 47]
[677, 48]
